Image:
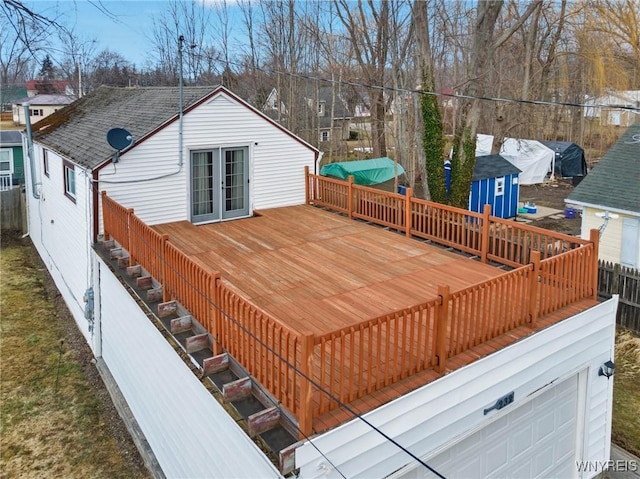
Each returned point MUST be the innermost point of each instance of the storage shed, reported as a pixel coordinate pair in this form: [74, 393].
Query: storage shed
[570, 161]
[495, 182]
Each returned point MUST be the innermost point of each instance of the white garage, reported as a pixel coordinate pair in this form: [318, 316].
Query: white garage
[560, 414]
[536, 439]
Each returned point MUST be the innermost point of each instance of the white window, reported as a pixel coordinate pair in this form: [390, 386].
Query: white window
[630, 249]
[321, 108]
[324, 136]
[500, 186]
[45, 162]
[69, 180]
[6, 160]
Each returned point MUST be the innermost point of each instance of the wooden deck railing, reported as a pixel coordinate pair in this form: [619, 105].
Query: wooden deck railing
[311, 375]
[357, 360]
[491, 238]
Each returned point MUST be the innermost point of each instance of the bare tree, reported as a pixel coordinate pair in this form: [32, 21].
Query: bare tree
[367, 26]
[485, 43]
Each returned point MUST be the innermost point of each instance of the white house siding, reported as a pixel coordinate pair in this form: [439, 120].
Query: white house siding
[190, 433]
[277, 162]
[60, 230]
[434, 417]
[611, 238]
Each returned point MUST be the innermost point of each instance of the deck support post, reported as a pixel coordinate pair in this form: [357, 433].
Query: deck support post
[215, 316]
[533, 289]
[442, 321]
[594, 238]
[350, 197]
[305, 413]
[306, 184]
[128, 247]
[407, 211]
[163, 266]
[105, 236]
[486, 212]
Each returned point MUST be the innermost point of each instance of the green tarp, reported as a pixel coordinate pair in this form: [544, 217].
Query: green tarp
[365, 172]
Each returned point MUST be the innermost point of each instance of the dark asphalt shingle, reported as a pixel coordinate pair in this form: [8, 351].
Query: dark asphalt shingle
[492, 166]
[615, 181]
[79, 131]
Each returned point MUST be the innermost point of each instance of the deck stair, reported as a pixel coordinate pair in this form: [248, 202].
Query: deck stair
[255, 412]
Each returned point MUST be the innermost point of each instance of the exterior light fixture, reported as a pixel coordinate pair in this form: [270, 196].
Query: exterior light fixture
[607, 369]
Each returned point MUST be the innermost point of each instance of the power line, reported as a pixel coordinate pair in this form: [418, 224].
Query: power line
[438, 94]
[293, 367]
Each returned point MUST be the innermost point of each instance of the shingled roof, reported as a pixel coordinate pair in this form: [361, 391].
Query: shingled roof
[615, 181]
[79, 130]
[492, 166]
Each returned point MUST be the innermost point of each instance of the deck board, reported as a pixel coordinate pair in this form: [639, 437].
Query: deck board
[318, 271]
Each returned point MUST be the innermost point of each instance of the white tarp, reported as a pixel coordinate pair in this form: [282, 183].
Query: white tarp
[483, 144]
[532, 158]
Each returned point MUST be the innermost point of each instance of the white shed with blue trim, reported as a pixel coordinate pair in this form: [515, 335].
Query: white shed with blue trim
[495, 182]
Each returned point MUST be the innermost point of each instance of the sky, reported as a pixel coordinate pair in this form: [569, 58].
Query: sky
[124, 27]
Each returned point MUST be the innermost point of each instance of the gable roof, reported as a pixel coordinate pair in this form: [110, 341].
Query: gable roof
[614, 181]
[79, 130]
[45, 99]
[492, 166]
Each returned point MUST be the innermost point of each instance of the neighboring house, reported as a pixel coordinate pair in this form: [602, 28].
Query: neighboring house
[40, 106]
[326, 117]
[495, 183]
[614, 112]
[8, 95]
[11, 159]
[333, 115]
[308, 321]
[48, 87]
[610, 200]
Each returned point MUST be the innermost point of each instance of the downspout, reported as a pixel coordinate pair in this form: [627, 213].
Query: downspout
[180, 101]
[32, 170]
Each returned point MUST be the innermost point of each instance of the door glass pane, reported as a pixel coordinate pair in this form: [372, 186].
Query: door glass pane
[234, 179]
[202, 183]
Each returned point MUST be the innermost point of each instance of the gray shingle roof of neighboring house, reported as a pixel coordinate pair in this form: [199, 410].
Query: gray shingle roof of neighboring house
[10, 137]
[79, 130]
[45, 100]
[492, 166]
[615, 181]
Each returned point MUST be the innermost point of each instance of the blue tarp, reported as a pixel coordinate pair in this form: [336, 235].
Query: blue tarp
[365, 172]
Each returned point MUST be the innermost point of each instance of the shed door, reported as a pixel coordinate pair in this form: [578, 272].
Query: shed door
[219, 184]
[536, 439]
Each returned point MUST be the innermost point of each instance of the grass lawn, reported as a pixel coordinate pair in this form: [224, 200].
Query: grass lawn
[626, 393]
[55, 421]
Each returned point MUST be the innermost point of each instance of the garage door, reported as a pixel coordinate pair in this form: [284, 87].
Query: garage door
[535, 440]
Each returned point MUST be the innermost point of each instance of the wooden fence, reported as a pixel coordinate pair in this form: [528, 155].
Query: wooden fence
[12, 206]
[313, 375]
[617, 279]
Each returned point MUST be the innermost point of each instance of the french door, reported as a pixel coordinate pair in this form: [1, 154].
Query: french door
[219, 184]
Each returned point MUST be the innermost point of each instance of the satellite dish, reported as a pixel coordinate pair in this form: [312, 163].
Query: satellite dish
[119, 138]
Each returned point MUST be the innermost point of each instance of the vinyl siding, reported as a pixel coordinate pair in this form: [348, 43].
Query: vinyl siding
[428, 419]
[59, 229]
[276, 159]
[611, 238]
[189, 432]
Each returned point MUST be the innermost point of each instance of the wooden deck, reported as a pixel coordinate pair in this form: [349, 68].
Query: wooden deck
[319, 271]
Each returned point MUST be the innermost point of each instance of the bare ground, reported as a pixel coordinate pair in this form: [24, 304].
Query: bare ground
[552, 195]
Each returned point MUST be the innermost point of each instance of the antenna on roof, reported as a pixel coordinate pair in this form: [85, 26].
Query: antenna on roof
[119, 138]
